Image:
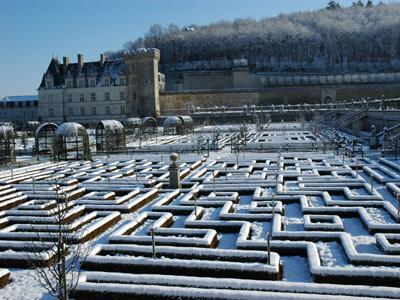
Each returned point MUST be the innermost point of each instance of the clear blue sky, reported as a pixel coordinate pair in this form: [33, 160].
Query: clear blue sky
[31, 31]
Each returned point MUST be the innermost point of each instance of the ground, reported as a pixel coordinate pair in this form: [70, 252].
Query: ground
[284, 217]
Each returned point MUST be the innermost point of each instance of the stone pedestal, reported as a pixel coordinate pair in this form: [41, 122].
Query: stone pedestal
[373, 141]
[386, 139]
[174, 173]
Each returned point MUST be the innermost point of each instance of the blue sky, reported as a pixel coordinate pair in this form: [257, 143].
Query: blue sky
[31, 31]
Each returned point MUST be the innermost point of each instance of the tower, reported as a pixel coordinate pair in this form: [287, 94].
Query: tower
[142, 84]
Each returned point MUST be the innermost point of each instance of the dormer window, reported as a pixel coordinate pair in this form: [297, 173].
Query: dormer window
[122, 81]
[69, 83]
[106, 81]
[81, 83]
[92, 83]
[49, 83]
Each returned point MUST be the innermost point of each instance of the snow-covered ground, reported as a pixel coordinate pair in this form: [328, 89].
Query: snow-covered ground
[212, 236]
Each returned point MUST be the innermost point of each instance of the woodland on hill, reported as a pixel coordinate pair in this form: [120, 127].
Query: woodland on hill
[362, 37]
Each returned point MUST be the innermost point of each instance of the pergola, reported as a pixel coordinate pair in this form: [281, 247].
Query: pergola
[71, 142]
[44, 138]
[149, 125]
[7, 144]
[173, 125]
[178, 125]
[110, 135]
[132, 125]
[187, 123]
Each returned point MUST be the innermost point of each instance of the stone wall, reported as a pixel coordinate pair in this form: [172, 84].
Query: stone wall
[239, 78]
[278, 95]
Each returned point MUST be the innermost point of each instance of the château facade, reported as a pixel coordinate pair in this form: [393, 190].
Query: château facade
[132, 86]
[19, 109]
[88, 92]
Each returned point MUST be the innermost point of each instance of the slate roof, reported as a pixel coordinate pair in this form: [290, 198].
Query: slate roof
[111, 68]
[20, 98]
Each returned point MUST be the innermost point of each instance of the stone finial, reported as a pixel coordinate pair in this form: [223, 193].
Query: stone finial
[373, 129]
[174, 157]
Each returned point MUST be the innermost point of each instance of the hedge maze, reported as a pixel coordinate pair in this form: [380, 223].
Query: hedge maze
[301, 225]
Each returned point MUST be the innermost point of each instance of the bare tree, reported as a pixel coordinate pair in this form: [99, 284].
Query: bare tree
[365, 39]
[57, 269]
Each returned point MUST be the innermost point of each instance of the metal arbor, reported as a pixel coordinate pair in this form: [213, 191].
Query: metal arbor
[7, 144]
[187, 123]
[110, 135]
[44, 138]
[132, 125]
[149, 125]
[173, 125]
[178, 125]
[71, 142]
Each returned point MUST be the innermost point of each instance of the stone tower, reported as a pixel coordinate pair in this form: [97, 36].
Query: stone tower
[142, 89]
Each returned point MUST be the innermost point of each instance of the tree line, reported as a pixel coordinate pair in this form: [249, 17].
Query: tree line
[360, 38]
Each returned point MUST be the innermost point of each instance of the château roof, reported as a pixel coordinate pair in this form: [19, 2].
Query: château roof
[111, 68]
[20, 98]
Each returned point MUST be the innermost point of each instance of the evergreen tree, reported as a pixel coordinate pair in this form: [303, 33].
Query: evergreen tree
[358, 3]
[333, 5]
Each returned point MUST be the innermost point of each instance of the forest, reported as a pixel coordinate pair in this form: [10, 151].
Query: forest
[359, 38]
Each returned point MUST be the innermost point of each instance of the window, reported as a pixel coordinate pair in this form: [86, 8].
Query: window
[35, 103]
[92, 83]
[94, 110]
[107, 96]
[106, 82]
[28, 103]
[122, 109]
[49, 84]
[50, 98]
[108, 110]
[69, 83]
[81, 98]
[69, 96]
[82, 111]
[70, 111]
[19, 104]
[51, 113]
[1, 104]
[92, 97]
[122, 81]
[134, 96]
[81, 83]
[121, 95]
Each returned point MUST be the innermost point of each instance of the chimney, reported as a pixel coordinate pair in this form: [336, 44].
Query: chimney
[102, 58]
[65, 61]
[80, 60]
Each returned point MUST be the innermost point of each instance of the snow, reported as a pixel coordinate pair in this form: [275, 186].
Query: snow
[326, 224]
[331, 254]
[23, 286]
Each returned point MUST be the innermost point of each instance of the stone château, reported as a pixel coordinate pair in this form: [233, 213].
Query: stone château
[132, 86]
